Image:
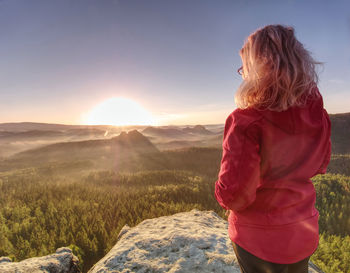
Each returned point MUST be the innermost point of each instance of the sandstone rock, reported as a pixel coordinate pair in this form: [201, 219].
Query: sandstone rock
[5, 260]
[63, 261]
[195, 241]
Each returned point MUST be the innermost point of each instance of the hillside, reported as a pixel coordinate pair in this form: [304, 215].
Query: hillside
[6, 135]
[17, 137]
[340, 133]
[198, 129]
[29, 126]
[105, 152]
[164, 132]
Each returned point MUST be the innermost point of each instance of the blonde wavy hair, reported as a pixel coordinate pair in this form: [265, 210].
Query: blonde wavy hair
[278, 72]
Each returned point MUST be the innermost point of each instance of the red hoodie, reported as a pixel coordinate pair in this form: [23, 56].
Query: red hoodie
[264, 180]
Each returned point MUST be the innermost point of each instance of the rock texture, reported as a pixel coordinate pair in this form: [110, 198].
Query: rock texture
[195, 241]
[63, 261]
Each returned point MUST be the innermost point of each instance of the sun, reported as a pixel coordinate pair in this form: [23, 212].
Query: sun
[119, 112]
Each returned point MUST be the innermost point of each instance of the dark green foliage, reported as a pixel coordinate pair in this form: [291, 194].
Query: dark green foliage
[78, 252]
[339, 164]
[340, 133]
[39, 214]
[333, 254]
[204, 161]
[333, 203]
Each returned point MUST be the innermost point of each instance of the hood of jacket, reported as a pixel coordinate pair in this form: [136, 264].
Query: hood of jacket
[297, 120]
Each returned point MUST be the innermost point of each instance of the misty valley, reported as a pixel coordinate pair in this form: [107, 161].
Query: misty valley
[77, 186]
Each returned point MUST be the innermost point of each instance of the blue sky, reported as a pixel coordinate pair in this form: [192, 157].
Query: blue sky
[176, 58]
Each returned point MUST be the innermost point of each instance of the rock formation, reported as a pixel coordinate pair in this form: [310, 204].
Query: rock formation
[195, 241]
[63, 261]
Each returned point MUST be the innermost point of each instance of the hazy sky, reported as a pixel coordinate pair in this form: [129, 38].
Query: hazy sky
[176, 58]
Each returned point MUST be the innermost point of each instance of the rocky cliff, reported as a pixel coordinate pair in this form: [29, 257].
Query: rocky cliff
[63, 261]
[195, 241]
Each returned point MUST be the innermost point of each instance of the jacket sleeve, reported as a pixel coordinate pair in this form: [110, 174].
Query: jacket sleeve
[239, 174]
[327, 158]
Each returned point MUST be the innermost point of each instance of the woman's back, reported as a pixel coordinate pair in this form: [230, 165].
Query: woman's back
[269, 184]
[292, 150]
[276, 140]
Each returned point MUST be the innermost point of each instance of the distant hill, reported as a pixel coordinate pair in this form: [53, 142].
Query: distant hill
[179, 144]
[198, 129]
[18, 137]
[28, 126]
[164, 132]
[104, 151]
[6, 135]
[340, 163]
[340, 133]
[162, 137]
[86, 131]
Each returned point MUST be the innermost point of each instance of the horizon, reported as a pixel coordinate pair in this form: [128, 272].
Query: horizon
[131, 125]
[68, 62]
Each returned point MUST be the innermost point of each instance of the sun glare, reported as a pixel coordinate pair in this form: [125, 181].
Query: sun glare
[119, 111]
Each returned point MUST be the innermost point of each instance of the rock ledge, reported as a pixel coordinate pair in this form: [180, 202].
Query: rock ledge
[195, 241]
[63, 261]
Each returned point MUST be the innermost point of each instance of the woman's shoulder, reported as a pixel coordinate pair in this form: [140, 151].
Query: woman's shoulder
[244, 117]
[242, 123]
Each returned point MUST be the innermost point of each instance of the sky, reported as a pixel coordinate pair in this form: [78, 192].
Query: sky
[177, 59]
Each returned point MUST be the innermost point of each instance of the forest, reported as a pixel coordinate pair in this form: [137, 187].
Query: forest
[72, 204]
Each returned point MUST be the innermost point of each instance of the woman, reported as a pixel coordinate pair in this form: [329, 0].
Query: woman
[274, 142]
